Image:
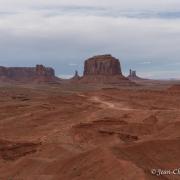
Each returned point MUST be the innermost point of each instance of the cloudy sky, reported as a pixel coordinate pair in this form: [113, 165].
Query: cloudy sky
[143, 34]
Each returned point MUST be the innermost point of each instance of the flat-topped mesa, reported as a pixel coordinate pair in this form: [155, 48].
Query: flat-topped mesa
[102, 65]
[27, 74]
[104, 69]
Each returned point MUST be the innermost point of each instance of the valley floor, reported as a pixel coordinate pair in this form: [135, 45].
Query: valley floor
[51, 133]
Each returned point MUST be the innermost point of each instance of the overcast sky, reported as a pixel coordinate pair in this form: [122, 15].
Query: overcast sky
[143, 34]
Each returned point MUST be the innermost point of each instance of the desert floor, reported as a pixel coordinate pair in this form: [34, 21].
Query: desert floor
[55, 132]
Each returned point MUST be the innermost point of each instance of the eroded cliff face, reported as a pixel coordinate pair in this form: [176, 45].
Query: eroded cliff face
[103, 69]
[102, 65]
[26, 73]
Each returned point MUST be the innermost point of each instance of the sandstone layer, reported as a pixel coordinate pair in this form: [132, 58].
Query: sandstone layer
[102, 65]
[103, 69]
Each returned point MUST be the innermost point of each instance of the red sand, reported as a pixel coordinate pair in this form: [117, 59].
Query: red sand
[51, 133]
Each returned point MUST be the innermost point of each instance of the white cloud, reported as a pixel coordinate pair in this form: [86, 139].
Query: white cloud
[162, 74]
[73, 64]
[141, 4]
[146, 62]
[66, 32]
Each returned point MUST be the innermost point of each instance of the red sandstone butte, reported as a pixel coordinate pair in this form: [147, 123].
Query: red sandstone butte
[103, 69]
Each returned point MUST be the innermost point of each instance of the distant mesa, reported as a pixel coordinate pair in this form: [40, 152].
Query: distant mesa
[39, 73]
[103, 69]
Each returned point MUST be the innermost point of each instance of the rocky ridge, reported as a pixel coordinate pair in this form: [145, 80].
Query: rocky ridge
[27, 74]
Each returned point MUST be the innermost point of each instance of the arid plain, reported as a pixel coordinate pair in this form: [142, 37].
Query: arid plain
[76, 132]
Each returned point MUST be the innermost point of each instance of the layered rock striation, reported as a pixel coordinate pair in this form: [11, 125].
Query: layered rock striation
[102, 65]
[103, 69]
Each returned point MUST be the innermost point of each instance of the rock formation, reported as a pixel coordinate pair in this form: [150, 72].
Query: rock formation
[43, 71]
[102, 65]
[132, 75]
[76, 77]
[103, 69]
[26, 74]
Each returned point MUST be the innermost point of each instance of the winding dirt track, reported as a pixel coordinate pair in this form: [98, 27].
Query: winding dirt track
[111, 105]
